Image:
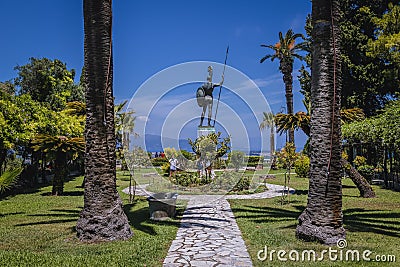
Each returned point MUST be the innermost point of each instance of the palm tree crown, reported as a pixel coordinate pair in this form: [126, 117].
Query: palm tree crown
[286, 50]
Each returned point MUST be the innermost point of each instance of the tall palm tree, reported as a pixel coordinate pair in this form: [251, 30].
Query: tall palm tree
[102, 217]
[268, 122]
[286, 51]
[322, 219]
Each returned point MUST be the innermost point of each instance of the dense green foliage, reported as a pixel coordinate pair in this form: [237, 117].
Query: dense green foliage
[48, 82]
[370, 54]
[382, 129]
[253, 161]
[38, 103]
[236, 158]
[302, 166]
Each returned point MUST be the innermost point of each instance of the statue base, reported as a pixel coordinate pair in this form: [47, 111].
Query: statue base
[205, 130]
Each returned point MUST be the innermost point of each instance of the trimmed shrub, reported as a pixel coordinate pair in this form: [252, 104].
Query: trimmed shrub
[253, 161]
[302, 166]
[157, 162]
[243, 184]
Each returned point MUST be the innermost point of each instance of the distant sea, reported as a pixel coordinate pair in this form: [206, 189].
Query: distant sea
[154, 143]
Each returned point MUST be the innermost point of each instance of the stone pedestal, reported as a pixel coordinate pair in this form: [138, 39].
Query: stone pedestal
[162, 205]
[205, 131]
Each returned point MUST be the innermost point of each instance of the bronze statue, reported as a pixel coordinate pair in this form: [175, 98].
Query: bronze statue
[205, 96]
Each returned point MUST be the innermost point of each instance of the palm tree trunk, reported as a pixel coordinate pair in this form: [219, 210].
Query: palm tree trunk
[272, 141]
[102, 217]
[362, 184]
[322, 220]
[287, 69]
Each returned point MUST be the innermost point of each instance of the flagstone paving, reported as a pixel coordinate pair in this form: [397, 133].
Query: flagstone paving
[208, 234]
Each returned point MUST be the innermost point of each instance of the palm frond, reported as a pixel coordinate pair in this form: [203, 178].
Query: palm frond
[8, 178]
[267, 57]
[351, 114]
[268, 120]
[75, 108]
[47, 143]
[120, 106]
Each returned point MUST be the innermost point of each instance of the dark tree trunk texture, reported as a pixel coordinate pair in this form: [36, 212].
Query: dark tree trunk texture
[102, 218]
[362, 184]
[287, 70]
[322, 220]
[3, 155]
[60, 171]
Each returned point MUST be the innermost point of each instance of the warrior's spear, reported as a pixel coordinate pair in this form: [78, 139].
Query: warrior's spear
[220, 87]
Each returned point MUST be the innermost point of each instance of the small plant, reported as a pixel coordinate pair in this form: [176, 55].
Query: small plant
[236, 158]
[159, 161]
[243, 184]
[225, 181]
[165, 168]
[287, 156]
[302, 166]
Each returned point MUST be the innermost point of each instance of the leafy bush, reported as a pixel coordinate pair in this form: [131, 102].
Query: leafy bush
[165, 167]
[225, 181]
[367, 171]
[253, 161]
[219, 164]
[236, 158]
[186, 179]
[261, 188]
[242, 184]
[157, 162]
[287, 156]
[359, 161]
[302, 166]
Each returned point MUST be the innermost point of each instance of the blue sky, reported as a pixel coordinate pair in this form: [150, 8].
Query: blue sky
[149, 36]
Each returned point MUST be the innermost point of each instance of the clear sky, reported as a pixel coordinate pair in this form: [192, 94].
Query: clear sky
[149, 36]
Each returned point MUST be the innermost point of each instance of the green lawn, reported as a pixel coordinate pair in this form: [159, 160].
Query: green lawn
[39, 230]
[372, 224]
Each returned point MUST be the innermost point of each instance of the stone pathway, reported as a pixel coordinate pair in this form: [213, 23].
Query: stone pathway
[208, 234]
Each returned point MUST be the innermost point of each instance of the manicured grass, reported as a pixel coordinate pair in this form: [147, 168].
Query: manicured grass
[39, 230]
[372, 224]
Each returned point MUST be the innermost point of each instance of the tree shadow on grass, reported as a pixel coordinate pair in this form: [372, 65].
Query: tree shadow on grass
[381, 222]
[268, 214]
[301, 192]
[140, 218]
[10, 213]
[372, 221]
[46, 222]
[66, 193]
[61, 216]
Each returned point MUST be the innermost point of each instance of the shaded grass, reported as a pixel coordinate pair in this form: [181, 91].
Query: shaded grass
[372, 224]
[39, 230]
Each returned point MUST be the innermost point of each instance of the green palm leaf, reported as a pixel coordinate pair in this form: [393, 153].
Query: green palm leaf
[8, 178]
